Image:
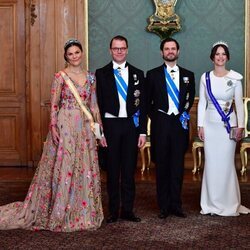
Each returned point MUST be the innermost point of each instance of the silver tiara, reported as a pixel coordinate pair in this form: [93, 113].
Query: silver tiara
[220, 43]
[71, 40]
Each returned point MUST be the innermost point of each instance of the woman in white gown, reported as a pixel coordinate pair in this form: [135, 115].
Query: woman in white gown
[220, 192]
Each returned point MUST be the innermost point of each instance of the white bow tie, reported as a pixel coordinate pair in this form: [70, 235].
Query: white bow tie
[119, 66]
[174, 69]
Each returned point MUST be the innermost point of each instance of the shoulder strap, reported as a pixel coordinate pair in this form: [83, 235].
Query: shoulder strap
[77, 96]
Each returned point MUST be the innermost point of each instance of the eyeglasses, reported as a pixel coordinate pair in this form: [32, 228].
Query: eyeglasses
[122, 49]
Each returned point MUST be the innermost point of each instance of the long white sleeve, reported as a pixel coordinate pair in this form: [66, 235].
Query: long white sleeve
[239, 104]
[202, 102]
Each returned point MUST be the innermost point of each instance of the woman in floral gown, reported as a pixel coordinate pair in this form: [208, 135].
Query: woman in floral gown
[65, 193]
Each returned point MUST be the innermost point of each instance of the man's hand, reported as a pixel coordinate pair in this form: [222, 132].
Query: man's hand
[141, 141]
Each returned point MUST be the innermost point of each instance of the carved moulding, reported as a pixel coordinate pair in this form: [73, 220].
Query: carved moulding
[31, 4]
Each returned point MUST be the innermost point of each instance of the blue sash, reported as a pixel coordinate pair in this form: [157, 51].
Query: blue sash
[121, 85]
[172, 89]
[122, 90]
[224, 117]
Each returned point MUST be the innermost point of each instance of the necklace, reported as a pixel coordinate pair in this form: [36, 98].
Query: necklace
[76, 72]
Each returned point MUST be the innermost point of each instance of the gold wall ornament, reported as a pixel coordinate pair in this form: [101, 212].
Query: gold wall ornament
[164, 22]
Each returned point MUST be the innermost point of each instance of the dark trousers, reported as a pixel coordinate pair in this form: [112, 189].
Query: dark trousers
[170, 141]
[122, 139]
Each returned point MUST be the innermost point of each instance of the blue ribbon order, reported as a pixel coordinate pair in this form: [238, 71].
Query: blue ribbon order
[224, 117]
[184, 118]
[136, 118]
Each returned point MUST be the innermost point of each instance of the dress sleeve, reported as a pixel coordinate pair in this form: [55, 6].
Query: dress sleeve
[56, 89]
[238, 97]
[202, 102]
[93, 101]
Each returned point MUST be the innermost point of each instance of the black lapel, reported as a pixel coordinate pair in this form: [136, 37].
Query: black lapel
[110, 84]
[182, 87]
[162, 82]
[130, 80]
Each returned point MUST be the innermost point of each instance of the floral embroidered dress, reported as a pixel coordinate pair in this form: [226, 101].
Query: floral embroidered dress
[65, 193]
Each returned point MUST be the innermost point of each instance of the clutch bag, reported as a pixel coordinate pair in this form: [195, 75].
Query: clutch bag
[232, 134]
[98, 131]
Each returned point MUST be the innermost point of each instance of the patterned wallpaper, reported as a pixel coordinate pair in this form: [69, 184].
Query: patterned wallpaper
[203, 23]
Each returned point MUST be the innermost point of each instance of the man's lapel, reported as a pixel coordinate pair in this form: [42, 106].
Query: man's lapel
[162, 81]
[131, 82]
[110, 84]
[182, 87]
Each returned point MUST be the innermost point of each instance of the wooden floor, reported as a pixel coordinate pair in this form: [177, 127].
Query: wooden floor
[25, 174]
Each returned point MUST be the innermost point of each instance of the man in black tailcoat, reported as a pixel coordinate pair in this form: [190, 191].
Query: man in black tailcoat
[120, 94]
[170, 96]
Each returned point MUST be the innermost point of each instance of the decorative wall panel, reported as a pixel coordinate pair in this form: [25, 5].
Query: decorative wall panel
[7, 64]
[13, 116]
[7, 138]
[203, 23]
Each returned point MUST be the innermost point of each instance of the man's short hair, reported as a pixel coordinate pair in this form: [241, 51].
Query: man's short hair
[119, 37]
[169, 39]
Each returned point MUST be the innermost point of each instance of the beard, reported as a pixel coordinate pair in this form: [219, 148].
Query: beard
[172, 59]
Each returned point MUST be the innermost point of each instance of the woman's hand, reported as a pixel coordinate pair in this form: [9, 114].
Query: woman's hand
[103, 142]
[201, 133]
[239, 134]
[55, 134]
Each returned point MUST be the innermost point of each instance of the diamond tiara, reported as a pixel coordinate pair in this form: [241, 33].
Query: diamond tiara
[71, 40]
[220, 43]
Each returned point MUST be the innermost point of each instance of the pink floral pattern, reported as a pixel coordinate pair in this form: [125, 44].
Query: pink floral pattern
[65, 193]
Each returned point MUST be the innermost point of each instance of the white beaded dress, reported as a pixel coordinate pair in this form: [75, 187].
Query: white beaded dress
[220, 192]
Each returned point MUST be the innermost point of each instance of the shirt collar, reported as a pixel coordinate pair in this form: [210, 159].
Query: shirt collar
[175, 68]
[116, 65]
